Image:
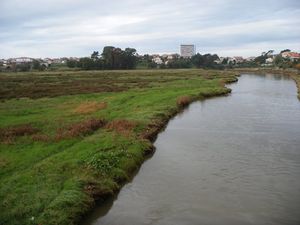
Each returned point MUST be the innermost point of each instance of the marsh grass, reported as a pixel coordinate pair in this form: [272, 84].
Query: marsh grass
[90, 107]
[78, 129]
[76, 135]
[123, 127]
[183, 101]
[9, 134]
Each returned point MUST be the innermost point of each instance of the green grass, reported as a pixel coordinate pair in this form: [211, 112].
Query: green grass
[56, 181]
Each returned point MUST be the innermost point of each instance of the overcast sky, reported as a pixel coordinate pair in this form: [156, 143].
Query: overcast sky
[56, 28]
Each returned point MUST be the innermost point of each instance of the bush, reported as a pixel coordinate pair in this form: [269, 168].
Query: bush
[183, 101]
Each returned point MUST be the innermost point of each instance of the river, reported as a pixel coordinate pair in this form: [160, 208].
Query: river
[226, 160]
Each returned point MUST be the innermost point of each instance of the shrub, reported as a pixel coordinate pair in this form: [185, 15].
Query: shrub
[183, 101]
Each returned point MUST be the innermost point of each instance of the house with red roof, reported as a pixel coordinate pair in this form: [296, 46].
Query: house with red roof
[291, 55]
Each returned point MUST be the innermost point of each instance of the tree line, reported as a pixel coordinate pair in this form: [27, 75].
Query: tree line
[116, 58]
[111, 58]
[206, 61]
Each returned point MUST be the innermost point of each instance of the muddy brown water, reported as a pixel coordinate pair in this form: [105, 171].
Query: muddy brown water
[227, 160]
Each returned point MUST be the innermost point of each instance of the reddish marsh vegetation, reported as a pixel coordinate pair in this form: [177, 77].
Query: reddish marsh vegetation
[80, 129]
[8, 135]
[183, 101]
[124, 127]
[90, 107]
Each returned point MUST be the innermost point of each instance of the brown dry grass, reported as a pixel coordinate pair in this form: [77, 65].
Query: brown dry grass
[80, 129]
[9, 134]
[222, 82]
[41, 137]
[124, 127]
[90, 107]
[183, 101]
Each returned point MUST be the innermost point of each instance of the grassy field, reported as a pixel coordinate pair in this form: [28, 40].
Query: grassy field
[68, 138]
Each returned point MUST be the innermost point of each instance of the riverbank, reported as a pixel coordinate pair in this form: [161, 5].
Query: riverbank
[294, 74]
[59, 153]
[222, 151]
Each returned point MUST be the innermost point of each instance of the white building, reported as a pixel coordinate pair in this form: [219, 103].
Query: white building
[170, 57]
[23, 60]
[239, 59]
[219, 61]
[157, 60]
[187, 51]
[269, 60]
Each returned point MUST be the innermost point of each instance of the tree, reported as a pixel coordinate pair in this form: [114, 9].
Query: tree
[198, 60]
[95, 55]
[130, 58]
[225, 61]
[285, 50]
[116, 58]
[180, 62]
[108, 57]
[205, 61]
[36, 65]
[278, 61]
[270, 52]
[23, 67]
[86, 63]
[262, 58]
[72, 63]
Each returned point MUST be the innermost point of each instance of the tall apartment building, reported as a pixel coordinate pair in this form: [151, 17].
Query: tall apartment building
[187, 51]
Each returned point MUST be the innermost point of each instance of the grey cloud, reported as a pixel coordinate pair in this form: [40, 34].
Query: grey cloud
[76, 27]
